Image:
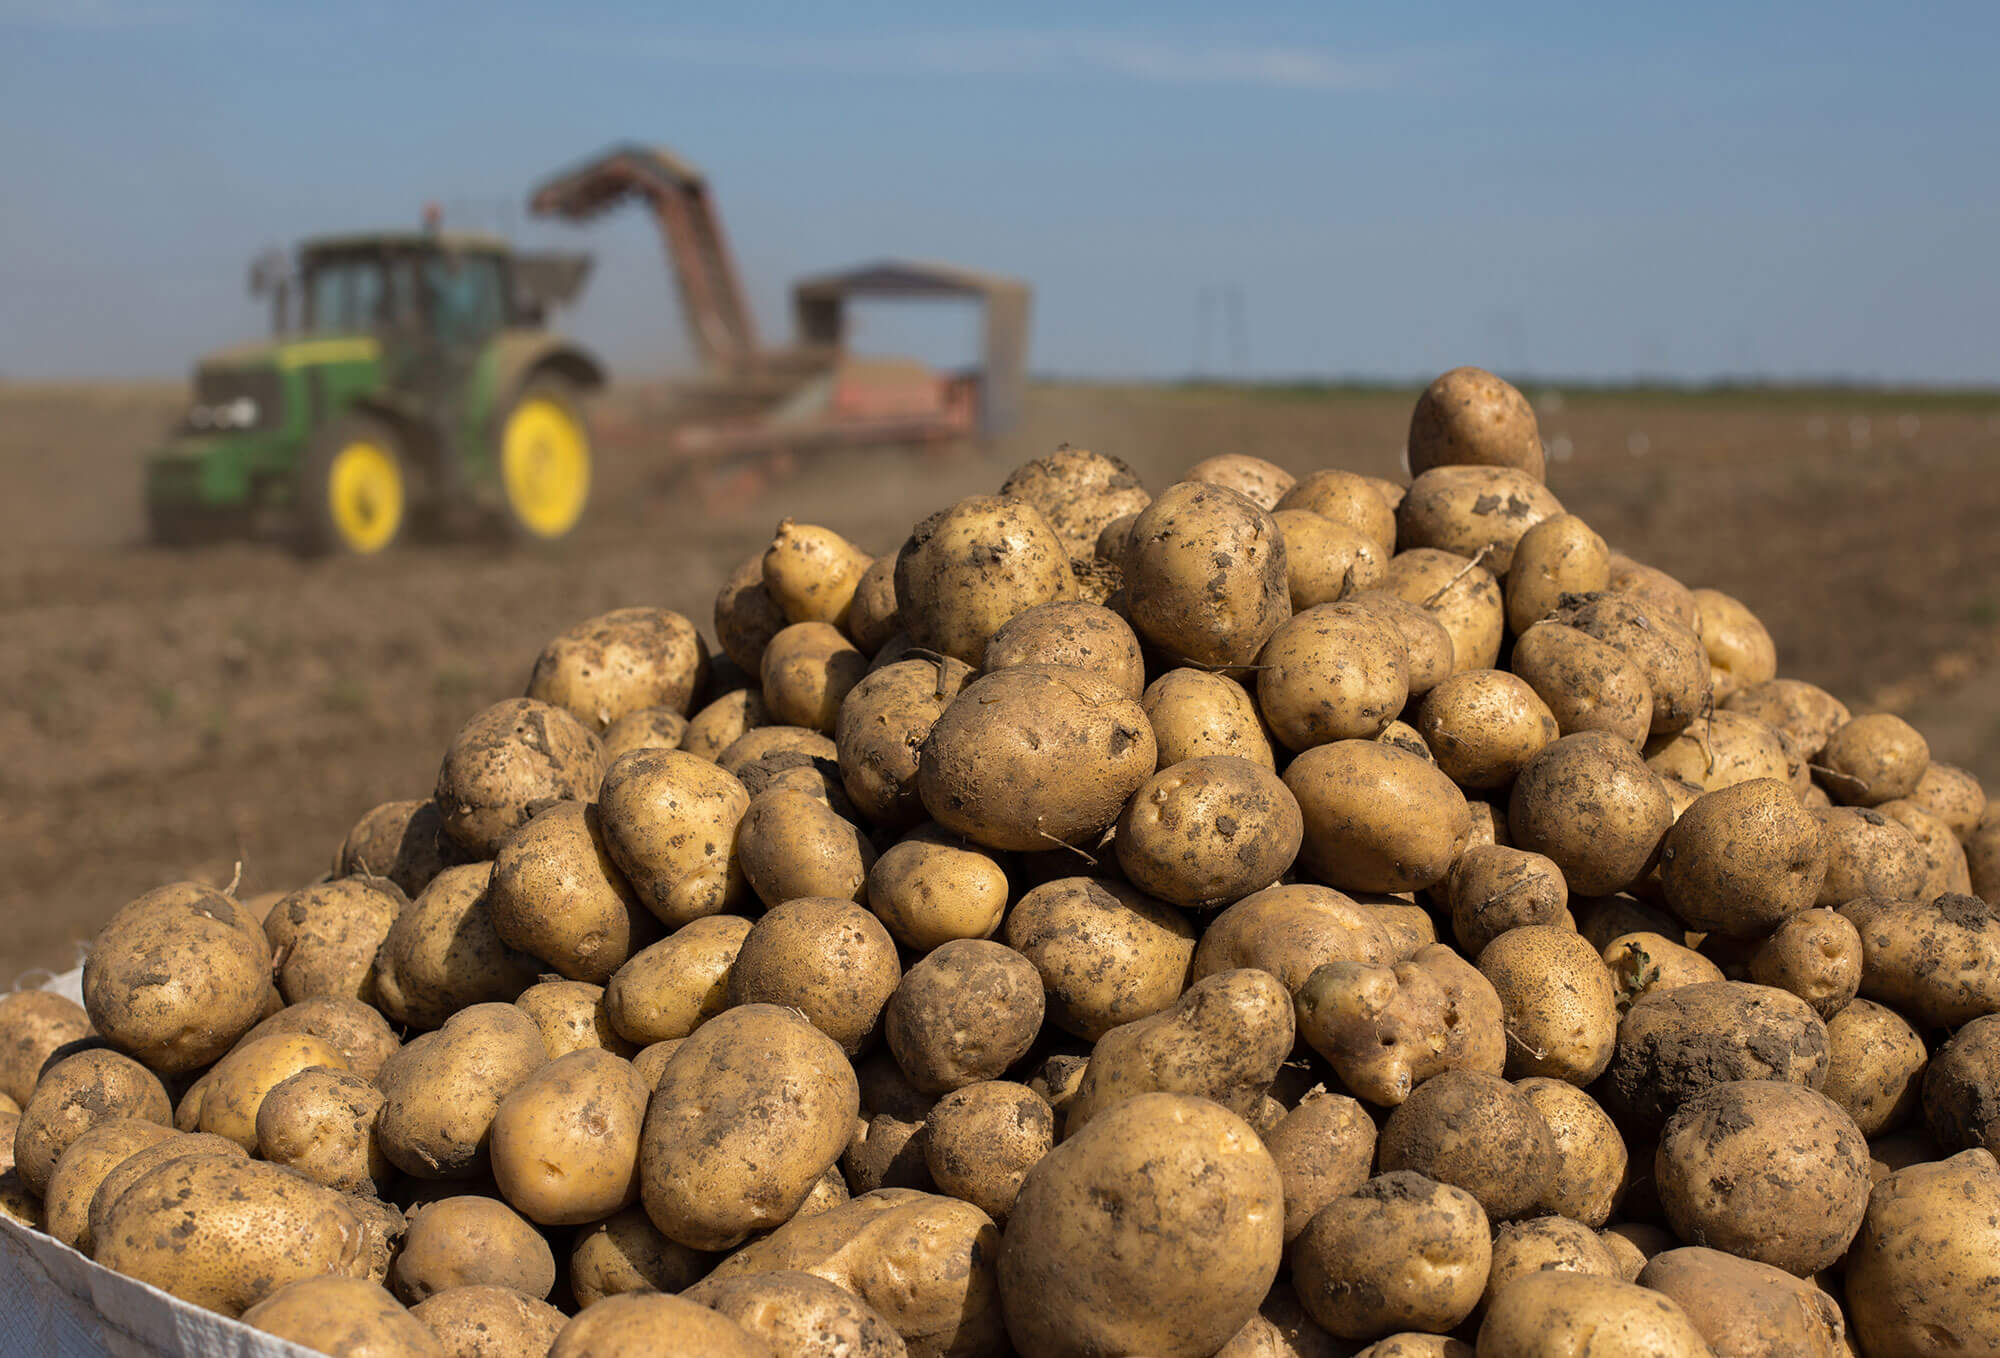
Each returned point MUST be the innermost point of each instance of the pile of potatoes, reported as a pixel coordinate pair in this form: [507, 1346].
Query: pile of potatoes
[1264, 917]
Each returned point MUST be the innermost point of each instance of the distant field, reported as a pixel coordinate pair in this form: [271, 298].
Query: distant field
[167, 714]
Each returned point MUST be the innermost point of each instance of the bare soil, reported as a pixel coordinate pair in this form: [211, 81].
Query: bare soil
[170, 714]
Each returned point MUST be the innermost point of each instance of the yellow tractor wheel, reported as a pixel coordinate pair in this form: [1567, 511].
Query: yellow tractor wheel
[354, 495]
[544, 452]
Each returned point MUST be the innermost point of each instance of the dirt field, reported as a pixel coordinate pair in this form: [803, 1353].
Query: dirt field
[169, 714]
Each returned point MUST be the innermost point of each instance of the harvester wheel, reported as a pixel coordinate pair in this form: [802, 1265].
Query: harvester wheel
[544, 448]
[354, 488]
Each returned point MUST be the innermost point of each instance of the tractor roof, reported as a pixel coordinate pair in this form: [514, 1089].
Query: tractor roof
[477, 242]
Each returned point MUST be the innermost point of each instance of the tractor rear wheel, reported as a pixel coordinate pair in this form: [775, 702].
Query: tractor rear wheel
[354, 488]
[544, 456]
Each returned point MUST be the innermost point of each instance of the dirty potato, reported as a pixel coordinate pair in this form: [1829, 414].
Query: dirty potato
[508, 762]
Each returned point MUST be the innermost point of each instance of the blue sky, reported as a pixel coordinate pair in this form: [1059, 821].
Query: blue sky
[1784, 190]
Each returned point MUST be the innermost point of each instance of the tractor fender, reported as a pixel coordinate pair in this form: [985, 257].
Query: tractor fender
[518, 357]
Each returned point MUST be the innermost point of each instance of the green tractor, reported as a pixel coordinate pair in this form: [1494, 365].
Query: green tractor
[416, 384]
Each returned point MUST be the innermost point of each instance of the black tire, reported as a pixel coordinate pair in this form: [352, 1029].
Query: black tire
[347, 520]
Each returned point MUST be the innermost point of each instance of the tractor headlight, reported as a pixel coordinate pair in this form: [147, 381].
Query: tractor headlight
[242, 412]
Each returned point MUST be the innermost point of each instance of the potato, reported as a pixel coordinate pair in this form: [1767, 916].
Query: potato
[324, 937]
[1655, 589]
[225, 1232]
[471, 1241]
[508, 762]
[1588, 803]
[1224, 1040]
[1483, 726]
[1741, 653]
[1078, 492]
[1916, 1277]
[828, 959]
[1181, 1261]
[873, 615]
[1868, 854]
[1643, 962]
[1587, 684]
[807, 669]
[799, 1313]
[481, 1321]
[321, 1122]
[359, 1033]
[1387, 1029]
[565, 1141]
[1961, 1094]
[1667, 652]
[965, 1013]
[885, 1152]
[669, 820]
[1412, 1344]
[1291, 930]
[749, 1113]
[1712, 753]
[1404, 737]
[882, 724]
[1206, 575]
[1492, 888]
[1546, 1244]
[1107, 954]
[1324, 560]
[1809, 715]
[1334, 672]
[1263, 483]
[1590, 1156]
[176, 976]
[677, 984]
[443, 954]
[1946, 868]
[1953, 795]
[1743, 859]
[556, 895]
[1461, 594]
[1476, 1132]
[746, 615]
[1937, 962]
[981, 1140]
[1766, 1170]
[403, 841]
[1554, 1312]
[643, 728]
[1873, 759]
[965, 571]
[625, 1252]
[1560, 1010]
[1194, 713]
[1674, 1044]
[1376, 818]
[719, 725]
[648, 1325]
[791, 844]
[141, 1162]
[1347, 501]
[811, 574]
[239, 1082]
[1815, 955]
[1875, 1066]
[1470, 417]
[1427, 646]
[1072, 633]
[620, 662]
[33, 1024]
[440, 1093]
[353, 1317]
[933, 886]
[76, 1093]
[1035, 756]
[1324, 1149]
[1557, 555]
[1402, 1252]
[1209, 831]
[81, 1168]
[1474, 512]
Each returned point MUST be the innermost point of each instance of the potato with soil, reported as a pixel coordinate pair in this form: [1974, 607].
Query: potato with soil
[1035, 757]
[1290, 930]
[1493, 888]
[1348, 500]
[873, 616]
[1875, 1066]
[1557, 555]
[801, 1314]
[965, 571]
[1223, 1040]
[1205, 576]
[669, 820]
[1546, 1245]
[719, 725]
[1655, 589]
[1674, 1044]
[882, 725]
[508, 762]
[1325, 1148]
[1961, 1094]
[1483, 726]
[1462, 595]
[224, 1232]
[1387, 1029]
[177, 976]
[77, 1093]
[964, 1013]
[1868, 854]
[1591, 1158]
[1643, 962]
[1107, 954]
[33, 1024]
[1474, 512]
[981, 1140]
[324, 938]
[643, 728]
[750, 1112]
[1808, 714]
[1667, 652]
[1936, 962]
[359, 1033]
[1741, 654]
[1946, 867]
[1469, 417]
[679, 983]
[1560, 1010]
[1588, 803]
[1766, 1170]
[1953, 795]
[791, 844]
[403, 841]
[353, 1317]
[1476, 1132]
[1402, 1252]
[1873, 759]
[443, 954]
[81, 1168]
[1376, 818]
[1554, 1312]
[1587, 684]
[1742, 860]
[1325, 561]
[1194, 713]
[1816, 955]
[556, 895]
[1070, 632]
[471, 1241]
[933, 886]
[321, 1122]
[1747, 1308]
[1427, 647]
[482, 1321]
[620, 662]
[746, 617]
[1078, 492]
[806, 670]
[239, 1081]
[1918, 1276]
[1263, 483]
[625, 1252]
[1208, 832]
[440, 1093]
[647, 1325]
[826, 958]
[1158, 1229]
[811, 574]
[565, 1141]
[1334, 672]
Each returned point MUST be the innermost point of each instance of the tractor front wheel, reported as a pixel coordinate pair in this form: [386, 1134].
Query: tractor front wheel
[544, 454]
[354, 488]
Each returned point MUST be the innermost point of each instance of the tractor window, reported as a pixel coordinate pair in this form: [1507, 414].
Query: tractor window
[344, 294]
[467, 301]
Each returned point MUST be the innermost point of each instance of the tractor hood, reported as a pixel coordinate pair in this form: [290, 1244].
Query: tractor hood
[292, 351]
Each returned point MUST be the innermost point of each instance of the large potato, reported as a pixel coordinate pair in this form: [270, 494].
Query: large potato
[1873, 759]
[1587, 684]
[882, 725]
[1558, 555]
[811, 573]
[33, 1023]
[440, 1093]
[1387, 1029]
[1429, 656]
[1483, 726]
[1588, 803]
[1667, 652]
[324, 938]
[980, 1141]
[354, 1317]
[1591, 1159]
[1470, 417]
[508, 762]
[76, 1093]
[1078, 492]
[1725, 749]
[1493, 888]
[1157, 1229]
[1107, 954]
[1035, 757]
[81, 1168]
[1476, 512]
[824, 958]
[1937, 962]
[1917, 1276]
[1344, 498]
[965, 1013]
[1476, 1132]
[403, 841]
[750, 1112]
[1743, 859]
[619, 662]
[1461, 594]
[565, 1141]
[1205, 575]
[557, 896]
[1333, 672]
[932, 886]
[471, 1241]
[1962, 1088]
[1402, 1252]
[1673, 1044]
[1376, 818]
[321, 1122]
[967, 570]
[443, 954]
[1560, 1010]
[1075, 633]
[669, 820]
[1747, 1308]
[1195, 713]
[1324, 1149]
[1208, 832]
[1555, 1312]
